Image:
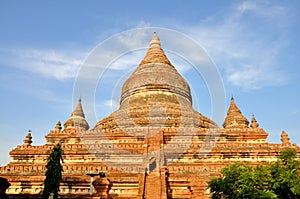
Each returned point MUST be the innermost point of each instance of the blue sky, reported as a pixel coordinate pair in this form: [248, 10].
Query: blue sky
[254, 45]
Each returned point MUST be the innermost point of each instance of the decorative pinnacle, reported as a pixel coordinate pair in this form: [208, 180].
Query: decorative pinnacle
[234, 116]
[155, 42]
[254, 123]
[58, 126]
[233, 107]
[28, 139]
[285, 139]
[155, 53]
[78, 111]
[77, 118]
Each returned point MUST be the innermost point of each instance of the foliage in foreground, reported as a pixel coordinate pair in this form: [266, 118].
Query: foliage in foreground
[278, 180]
[54, 172]
[4, 184]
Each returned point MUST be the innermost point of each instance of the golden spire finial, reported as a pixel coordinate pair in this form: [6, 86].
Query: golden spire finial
[155, 42]
[155, 53]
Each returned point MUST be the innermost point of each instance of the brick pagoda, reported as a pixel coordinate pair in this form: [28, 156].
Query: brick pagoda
[155, 146]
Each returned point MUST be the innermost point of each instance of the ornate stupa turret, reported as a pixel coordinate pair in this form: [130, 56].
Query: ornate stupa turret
[77, 119]
[28, 139]
[285, 139]
[154, 79]
[234, 117]
[254, 123]
[58, 126]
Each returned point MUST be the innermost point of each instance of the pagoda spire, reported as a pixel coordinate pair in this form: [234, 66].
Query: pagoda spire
[155, 41]
[28, 139]
[155, 53]
[285, 139]
[77, 118]
[254, 123]
[58, 126]
[234, 117]
[78, 111]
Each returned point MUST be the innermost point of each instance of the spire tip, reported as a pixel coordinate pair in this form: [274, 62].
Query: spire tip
[155, 41]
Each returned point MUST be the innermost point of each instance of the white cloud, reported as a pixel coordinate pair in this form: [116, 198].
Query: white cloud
[143, 24]
[246, 5]
[245, 43]
[128, 61]
[49, 63]
[132, 39]
[249, 78]
[265, 9]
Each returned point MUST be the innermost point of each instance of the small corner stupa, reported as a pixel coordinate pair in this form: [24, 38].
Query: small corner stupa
[154, 146]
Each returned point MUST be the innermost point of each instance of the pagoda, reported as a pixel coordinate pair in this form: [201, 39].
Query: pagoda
[155, 146]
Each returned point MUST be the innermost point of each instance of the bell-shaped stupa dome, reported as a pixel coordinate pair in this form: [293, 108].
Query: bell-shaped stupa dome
[155, 78]
[155, 111]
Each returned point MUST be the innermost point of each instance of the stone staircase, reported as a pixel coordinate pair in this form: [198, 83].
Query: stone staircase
[155, 186]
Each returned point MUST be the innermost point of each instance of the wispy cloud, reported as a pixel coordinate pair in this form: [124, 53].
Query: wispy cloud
[128, 61]
[265, 9]
[121, 53]
[56, 64]
[245, 43]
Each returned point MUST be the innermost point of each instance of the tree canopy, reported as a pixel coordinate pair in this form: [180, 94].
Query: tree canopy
[4, 184]
[278, 180]
[54, 172]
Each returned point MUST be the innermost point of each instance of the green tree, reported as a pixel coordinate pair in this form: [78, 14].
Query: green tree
[286, 172]
[54, 172]
[278, 180]
[4, 184]
[242, 181]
